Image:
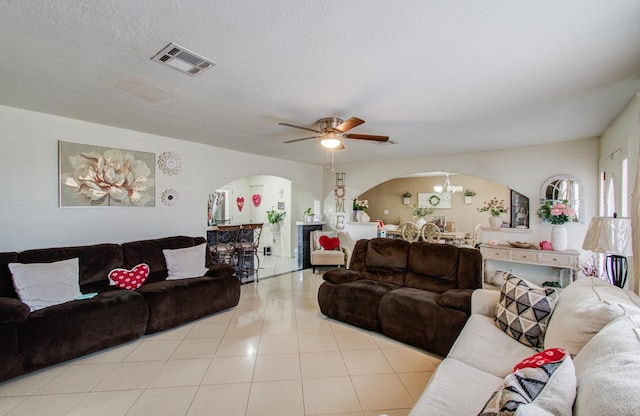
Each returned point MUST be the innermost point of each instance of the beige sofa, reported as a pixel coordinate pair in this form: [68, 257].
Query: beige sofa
[597, 323]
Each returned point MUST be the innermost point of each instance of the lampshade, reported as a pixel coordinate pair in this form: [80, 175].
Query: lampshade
[330, 140]
[609, 235]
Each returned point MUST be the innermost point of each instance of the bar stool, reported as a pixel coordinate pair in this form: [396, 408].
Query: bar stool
[225, 249]
[248, 249]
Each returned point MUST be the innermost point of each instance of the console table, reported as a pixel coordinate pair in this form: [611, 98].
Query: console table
[564, 260]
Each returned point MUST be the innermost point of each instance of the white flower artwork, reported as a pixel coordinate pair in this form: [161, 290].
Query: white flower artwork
[102, 176]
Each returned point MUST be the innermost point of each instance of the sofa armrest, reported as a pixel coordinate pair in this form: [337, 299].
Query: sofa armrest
[459, 299]
[220, 270]
[339, 276]
[484, 301]
[12, 311]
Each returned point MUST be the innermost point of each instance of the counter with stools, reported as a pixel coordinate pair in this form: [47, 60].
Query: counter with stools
[236, 244]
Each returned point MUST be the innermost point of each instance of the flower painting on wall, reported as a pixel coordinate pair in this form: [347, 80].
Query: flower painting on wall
[103, 176]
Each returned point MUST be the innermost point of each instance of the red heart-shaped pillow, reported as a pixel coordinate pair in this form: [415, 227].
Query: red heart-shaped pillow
[129, 279]
[329, 243]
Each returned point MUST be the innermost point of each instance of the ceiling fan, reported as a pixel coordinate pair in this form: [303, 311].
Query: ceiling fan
[332, 131]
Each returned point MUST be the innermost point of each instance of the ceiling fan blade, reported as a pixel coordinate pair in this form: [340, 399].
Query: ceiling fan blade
[299, 127]
[349, 124]
[299, 140]
[367, 137]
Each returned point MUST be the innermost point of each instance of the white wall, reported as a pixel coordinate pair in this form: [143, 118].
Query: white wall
[29, 212]
[524, 169]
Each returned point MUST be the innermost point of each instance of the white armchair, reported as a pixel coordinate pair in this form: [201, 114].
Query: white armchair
[326, 257]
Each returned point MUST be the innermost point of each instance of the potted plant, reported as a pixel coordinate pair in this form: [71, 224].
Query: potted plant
[406, 198]
[468, 194]
[420, 212]
[308, 215]
[496, 207]
[274, 218]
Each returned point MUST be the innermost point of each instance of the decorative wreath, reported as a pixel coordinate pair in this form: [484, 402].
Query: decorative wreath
[169, 163]
[434, 200]
[339, 191]
[170, 197]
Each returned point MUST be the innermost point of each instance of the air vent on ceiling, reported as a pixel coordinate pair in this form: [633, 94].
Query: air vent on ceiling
[183, 60]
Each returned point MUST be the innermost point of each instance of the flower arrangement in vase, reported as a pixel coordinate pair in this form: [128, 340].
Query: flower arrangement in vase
[359, 207]
[496, 207]
[557, 214]
[420, 212]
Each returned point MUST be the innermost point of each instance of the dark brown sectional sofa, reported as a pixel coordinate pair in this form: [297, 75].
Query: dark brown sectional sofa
[418, 293]
[33, 340]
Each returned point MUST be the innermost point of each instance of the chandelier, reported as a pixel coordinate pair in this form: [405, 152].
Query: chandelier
[447, 187]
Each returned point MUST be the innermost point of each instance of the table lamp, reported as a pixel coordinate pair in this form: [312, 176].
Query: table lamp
[612, 236]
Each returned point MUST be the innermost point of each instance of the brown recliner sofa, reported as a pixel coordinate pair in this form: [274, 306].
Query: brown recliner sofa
[418, 293]
[33, 340]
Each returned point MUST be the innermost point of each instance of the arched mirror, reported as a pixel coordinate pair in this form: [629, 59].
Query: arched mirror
[564, 187]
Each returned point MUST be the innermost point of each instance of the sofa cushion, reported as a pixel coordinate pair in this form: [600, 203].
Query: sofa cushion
[129, 279]
[355, 302]
[41, 285]
[432, 267]
[203, 295]
[607, 368]
[185, 263]
[72, 329]
[456, 388]
[95, 262]
[524, 310]
[583, 309]
[415, 317]
[479, 335]
[6, 283]
[150, 252]
[385, 260]
[547, 389]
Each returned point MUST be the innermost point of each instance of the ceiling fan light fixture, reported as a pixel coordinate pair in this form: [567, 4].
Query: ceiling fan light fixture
[330, 142]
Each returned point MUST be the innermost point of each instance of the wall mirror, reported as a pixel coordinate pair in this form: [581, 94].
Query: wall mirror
[561, 187]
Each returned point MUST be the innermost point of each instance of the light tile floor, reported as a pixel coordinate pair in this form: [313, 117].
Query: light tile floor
[274, 354]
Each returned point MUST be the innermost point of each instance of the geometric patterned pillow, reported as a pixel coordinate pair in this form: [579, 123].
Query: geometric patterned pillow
[549, 389]
[524, 310]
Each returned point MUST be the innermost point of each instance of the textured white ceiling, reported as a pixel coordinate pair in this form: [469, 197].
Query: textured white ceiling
[436, 76]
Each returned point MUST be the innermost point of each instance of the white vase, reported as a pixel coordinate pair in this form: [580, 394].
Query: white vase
[274, 227]
[559, 239]
[362, 216]
[495, 221]
[468, 200]
[420, 222]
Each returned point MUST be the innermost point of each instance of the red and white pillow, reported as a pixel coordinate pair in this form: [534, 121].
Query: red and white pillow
[129, 279]
[544, 383]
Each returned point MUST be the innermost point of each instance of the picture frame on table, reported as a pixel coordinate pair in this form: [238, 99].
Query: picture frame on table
[519, 210]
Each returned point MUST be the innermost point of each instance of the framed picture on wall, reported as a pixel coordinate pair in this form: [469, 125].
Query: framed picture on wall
[96, 176]
[519, 210]
[280, 205]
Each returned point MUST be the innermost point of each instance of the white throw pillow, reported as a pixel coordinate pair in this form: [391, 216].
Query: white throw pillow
[40, 285]
[607, 368]
[185, 263]
[583, 309]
